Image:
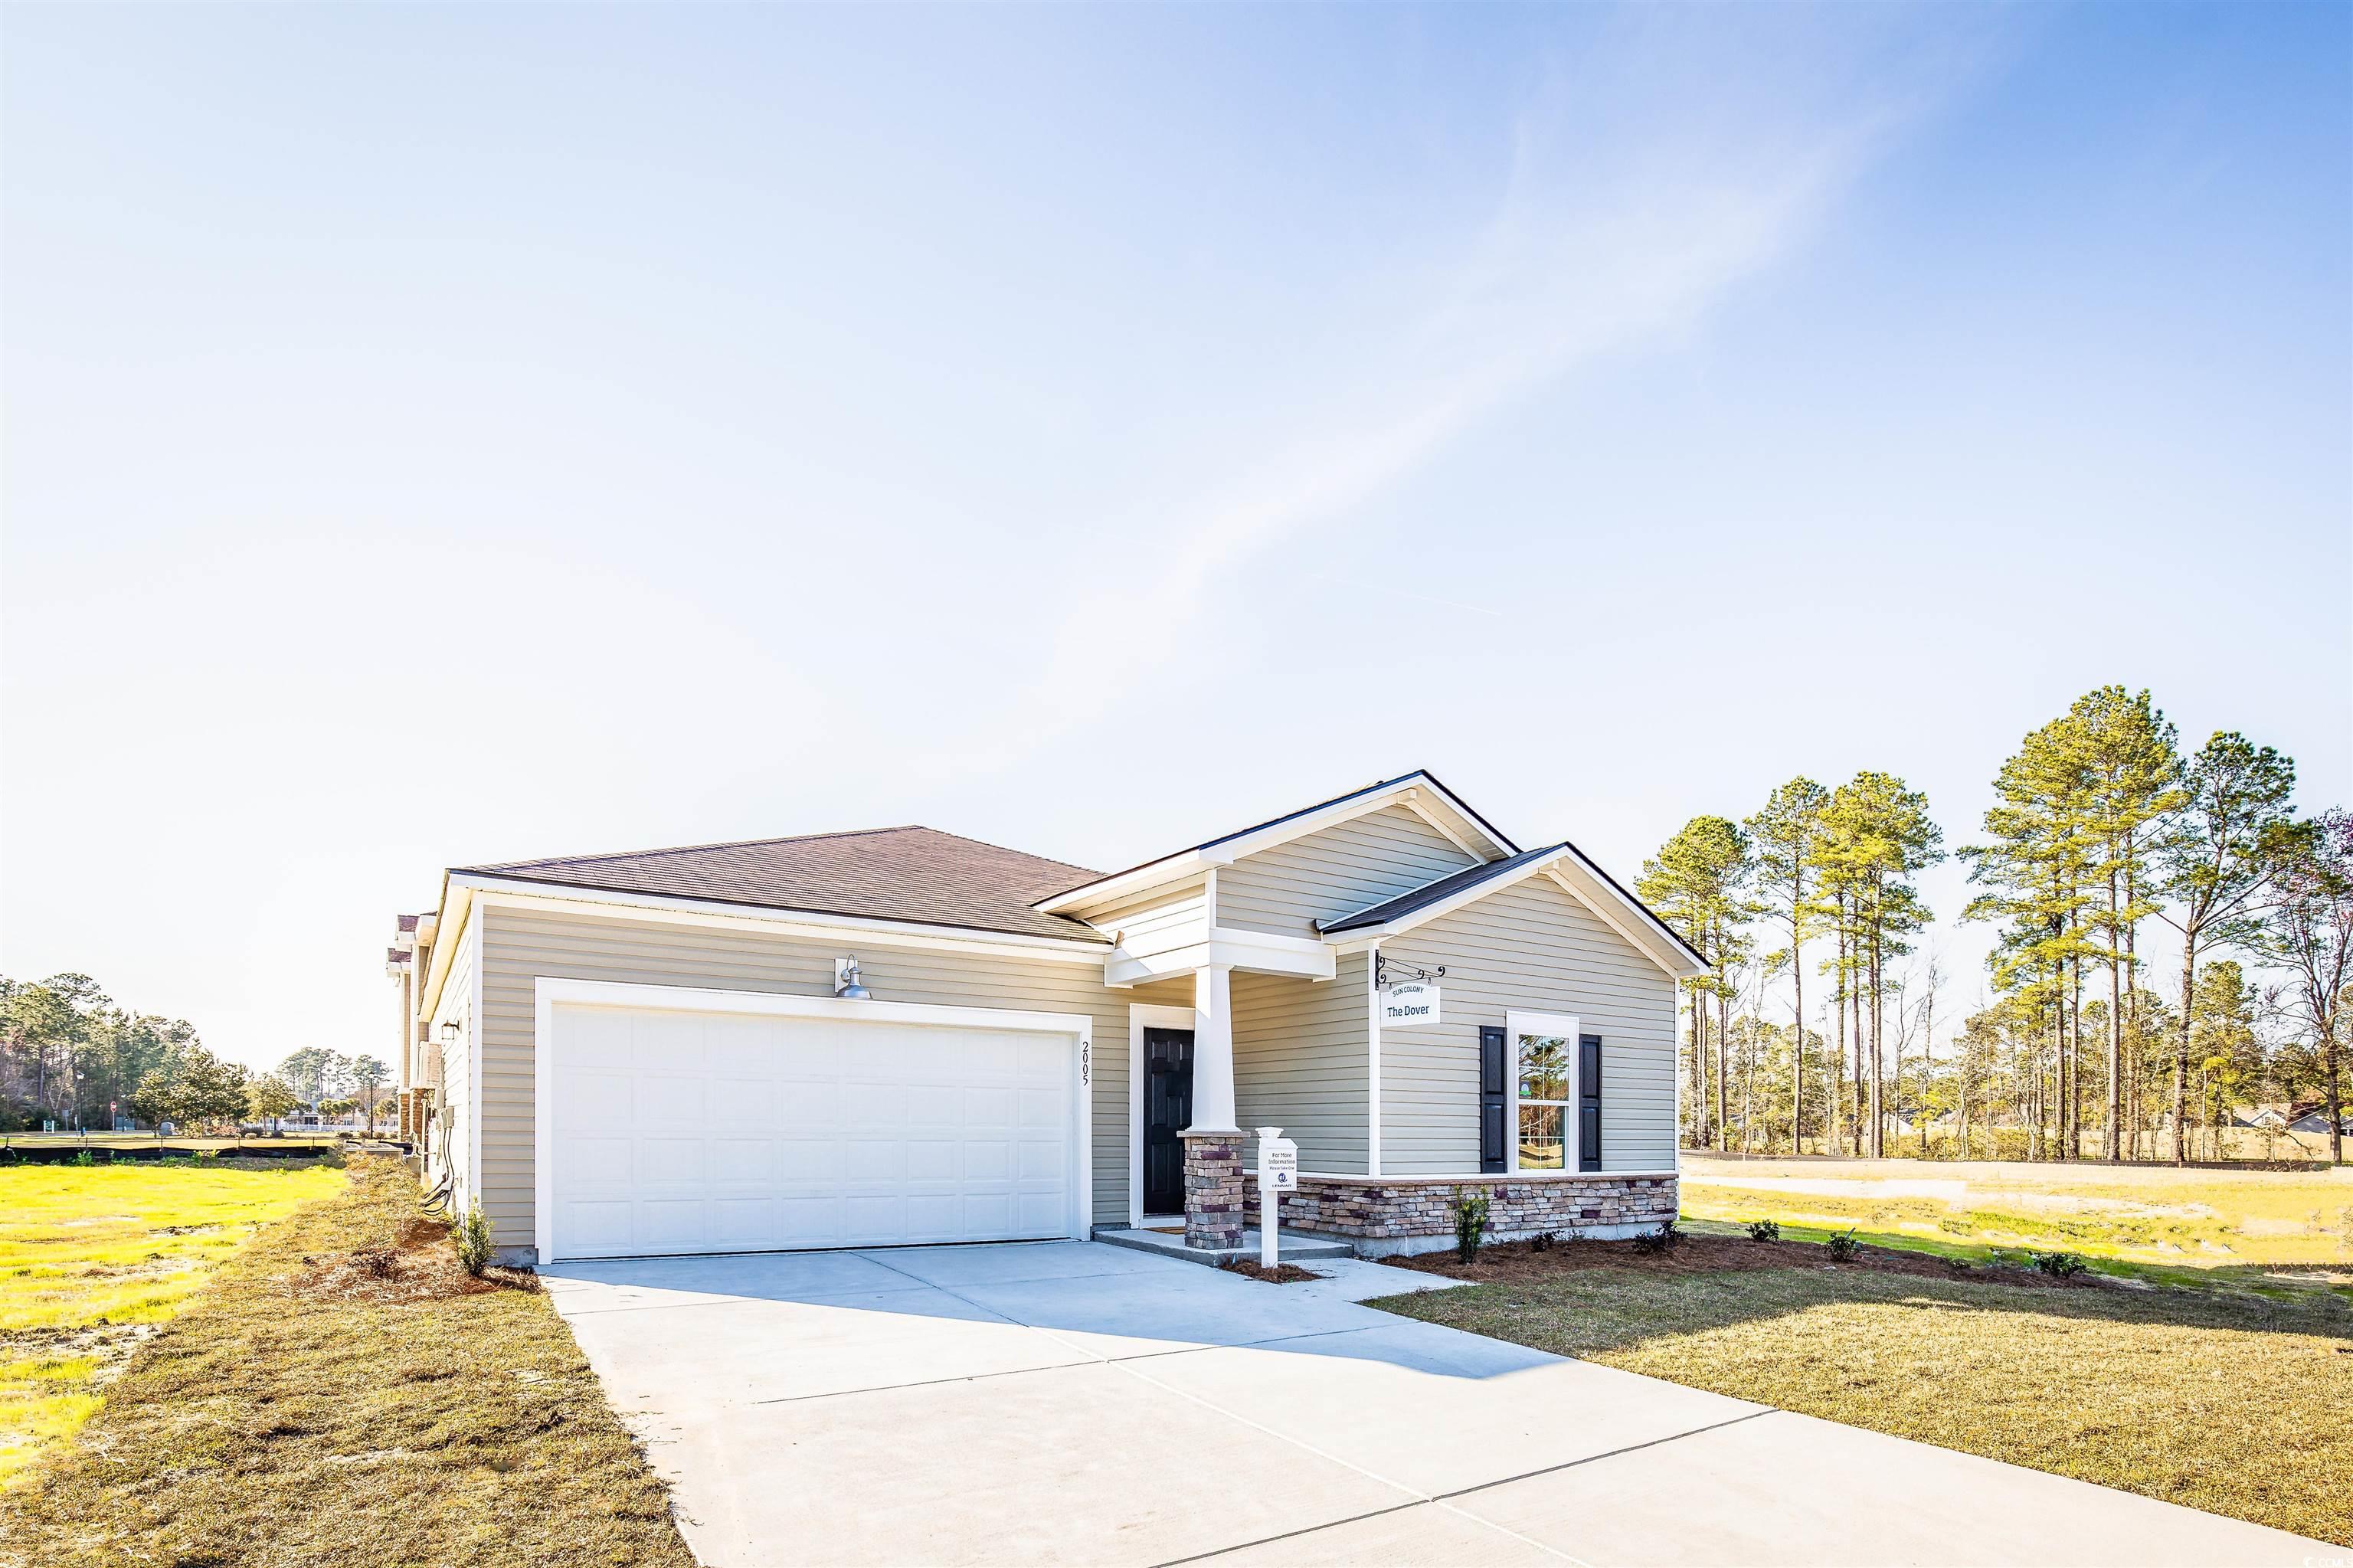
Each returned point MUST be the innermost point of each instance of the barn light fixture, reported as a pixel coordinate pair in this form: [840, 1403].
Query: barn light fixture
[450, 1034]
[846, 983]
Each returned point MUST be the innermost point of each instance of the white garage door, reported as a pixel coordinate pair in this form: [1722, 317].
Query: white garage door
[692, 1132]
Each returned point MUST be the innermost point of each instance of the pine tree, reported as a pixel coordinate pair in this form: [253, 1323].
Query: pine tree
[1698, 885]
[2127, 771]
[2310, 934]
[2220, 854]
[1785, 833]
[1877, 835]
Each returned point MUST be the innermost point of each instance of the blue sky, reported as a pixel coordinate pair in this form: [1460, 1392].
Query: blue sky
[446, 434]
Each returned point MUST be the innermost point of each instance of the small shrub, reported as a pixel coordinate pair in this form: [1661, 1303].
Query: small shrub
[1842, 1247]
[1662, 1240]
[375, 1262]
[2059, 1264]
[84, 1158]
[1764, 1230]
[1544, 1240]
[1469, 1210]
[473, 1238]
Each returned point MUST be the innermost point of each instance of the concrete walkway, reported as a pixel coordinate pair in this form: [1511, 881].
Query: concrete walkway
[1073, 1402]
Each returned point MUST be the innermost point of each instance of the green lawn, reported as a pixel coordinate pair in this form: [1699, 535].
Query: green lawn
[342, 1392]
[2231, 1403]
[92, 1258]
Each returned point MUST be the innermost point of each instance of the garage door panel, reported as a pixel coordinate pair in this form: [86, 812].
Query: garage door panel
[743, 1223]
[742, 1105]
[874, 1217]
[678, 1132]
[670, 1162]
[809, 1105]
[597, 1098]
[736, 1161]
[595, 1038]
[874, 1159]
[933, 1160]
[596, 1226]
[808, 1159]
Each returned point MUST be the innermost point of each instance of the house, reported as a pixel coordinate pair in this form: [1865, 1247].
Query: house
[899, 1036]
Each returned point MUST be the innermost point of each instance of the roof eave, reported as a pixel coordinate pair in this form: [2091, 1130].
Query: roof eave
[1230, 847]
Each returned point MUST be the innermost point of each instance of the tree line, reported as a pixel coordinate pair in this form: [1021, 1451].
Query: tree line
[71, 1057]
[2101, 828]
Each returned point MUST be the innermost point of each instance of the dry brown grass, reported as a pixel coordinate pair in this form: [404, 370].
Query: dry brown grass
[344, 1393]
[2228, 1402]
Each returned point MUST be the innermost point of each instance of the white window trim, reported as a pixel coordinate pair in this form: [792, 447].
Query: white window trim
[548, 993]
[1555, 1026]
[1141, 1016]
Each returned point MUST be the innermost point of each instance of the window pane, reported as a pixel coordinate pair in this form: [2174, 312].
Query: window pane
[1544, 1068]
[1540, 1140]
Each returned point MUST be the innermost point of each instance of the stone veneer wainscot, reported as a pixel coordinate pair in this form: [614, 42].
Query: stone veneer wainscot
[1387, 1216]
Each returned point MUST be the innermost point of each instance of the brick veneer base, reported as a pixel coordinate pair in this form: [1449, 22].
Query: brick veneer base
[1387, 1216]
[1213, 1189]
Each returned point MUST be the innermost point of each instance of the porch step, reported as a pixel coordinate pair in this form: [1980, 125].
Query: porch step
[1291, 1245]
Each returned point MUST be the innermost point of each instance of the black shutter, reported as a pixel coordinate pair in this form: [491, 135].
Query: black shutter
[1495, 1098]
[1588, 1102]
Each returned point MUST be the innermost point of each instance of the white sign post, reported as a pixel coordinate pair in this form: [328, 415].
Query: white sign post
[1278, 1172]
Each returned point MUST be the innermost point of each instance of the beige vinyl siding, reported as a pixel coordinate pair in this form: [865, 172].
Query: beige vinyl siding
[1534, 947]
[1300, 1063]
[453, 1063]
[1165, 918]
[524, 943]
[1286, 889]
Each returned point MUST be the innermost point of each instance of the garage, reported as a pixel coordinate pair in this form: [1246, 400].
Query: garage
[714, 1122]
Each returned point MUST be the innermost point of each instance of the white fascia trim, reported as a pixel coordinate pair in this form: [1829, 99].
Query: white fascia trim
[1141, 1016]
[457, 905]
[475, 1086]
[1444, 907]
[1560, 1025]
[1225, 851]
[1255, 952]
[549, 993]
[1176, 868]
[1438, 825]
[664, 909]
[1638, 925]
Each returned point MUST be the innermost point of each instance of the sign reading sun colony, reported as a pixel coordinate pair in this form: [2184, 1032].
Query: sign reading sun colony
[1412, 1005]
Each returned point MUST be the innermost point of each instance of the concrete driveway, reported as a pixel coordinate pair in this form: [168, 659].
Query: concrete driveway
[1074, 1402]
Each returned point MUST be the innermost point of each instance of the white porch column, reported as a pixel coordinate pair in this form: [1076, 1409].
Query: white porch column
[1213, 1050]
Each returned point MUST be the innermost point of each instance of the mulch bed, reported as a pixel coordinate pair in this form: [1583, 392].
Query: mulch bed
[1519, 1262]
[1280, 1273]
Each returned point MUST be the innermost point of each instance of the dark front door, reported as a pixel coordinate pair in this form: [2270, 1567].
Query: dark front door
[1167, 1110]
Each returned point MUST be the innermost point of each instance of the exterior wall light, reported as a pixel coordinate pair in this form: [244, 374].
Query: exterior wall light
[846, 983]
[450, 1034]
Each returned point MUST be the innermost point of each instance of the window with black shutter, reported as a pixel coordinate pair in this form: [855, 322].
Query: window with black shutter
[1495, 1098]
[1588, 1102]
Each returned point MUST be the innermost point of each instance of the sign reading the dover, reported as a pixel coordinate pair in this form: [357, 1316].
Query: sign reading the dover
[1409, 1006]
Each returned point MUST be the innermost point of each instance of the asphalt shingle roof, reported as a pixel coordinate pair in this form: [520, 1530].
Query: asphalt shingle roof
[914, 874]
